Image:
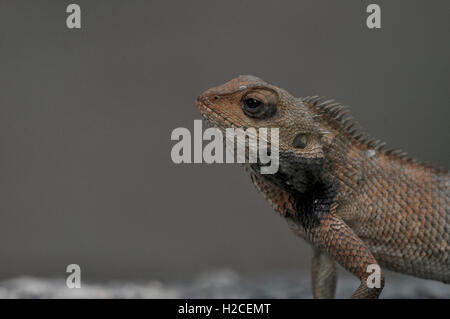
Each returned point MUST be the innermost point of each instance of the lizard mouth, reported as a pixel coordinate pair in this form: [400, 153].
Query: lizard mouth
[213, 118]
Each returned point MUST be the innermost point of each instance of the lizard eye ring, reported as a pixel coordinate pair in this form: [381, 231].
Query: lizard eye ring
[259, 104]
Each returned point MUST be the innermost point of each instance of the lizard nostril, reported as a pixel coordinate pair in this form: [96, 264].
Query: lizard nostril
[204, 97]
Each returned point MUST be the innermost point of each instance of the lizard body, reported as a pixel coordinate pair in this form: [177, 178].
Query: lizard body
[355, 202]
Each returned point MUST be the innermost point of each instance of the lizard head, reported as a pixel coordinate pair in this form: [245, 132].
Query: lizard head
[248, 101]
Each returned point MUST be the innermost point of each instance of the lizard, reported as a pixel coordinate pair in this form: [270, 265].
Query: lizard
[357, 203]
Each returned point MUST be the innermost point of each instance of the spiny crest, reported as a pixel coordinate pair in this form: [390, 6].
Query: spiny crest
[339, 113]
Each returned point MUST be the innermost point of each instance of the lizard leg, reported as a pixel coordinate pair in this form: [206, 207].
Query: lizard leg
[324, 275]
[345, 247]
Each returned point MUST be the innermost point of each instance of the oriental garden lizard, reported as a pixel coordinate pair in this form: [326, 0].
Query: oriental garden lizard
[357, 203]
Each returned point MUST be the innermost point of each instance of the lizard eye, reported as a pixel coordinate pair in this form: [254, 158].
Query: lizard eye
[259, 104]
[252, 106]
[252, 103]
[300, 141]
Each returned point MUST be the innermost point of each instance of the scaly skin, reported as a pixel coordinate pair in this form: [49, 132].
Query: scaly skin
[355, 202]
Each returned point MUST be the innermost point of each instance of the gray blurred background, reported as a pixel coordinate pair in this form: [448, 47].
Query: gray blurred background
[86, 116]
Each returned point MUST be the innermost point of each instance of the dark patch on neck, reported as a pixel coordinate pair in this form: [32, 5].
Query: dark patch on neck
[295, 173]
[301, 177]
[313, 204]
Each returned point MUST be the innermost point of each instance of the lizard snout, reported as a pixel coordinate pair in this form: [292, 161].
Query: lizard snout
[208, 95]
